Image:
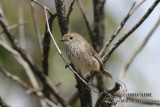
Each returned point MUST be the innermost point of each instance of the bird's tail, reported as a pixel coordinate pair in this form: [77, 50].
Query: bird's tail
[107, 74]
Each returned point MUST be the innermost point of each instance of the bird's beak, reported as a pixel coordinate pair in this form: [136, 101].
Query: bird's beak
[62, 40]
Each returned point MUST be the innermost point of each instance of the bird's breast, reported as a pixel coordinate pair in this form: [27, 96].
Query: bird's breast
[81, 58]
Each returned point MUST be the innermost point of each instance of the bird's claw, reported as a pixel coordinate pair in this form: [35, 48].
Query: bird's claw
[67, 65]
[88, 85]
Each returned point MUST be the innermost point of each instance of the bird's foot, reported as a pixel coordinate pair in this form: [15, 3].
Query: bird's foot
[88, 85]
[67, 65]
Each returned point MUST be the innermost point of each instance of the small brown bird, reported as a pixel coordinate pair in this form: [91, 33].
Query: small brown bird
[82, 55]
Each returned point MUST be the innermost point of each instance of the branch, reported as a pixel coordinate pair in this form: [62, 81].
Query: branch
[28, 59]
[3, 103]
[36, 26]
[117, 30]
[35, 1]
[70, 9]
[97, 36]
[62, 17]
[24, 85]
[15, 26]
[21, 28]
[103, 96]
[100, 79]
[84, 94]
[138, 50]
[120, 41]
[15, 78]
[84, 89]
[85, 17]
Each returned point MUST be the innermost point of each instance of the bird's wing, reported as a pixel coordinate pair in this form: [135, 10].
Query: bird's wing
[102, 69]
[95, 54]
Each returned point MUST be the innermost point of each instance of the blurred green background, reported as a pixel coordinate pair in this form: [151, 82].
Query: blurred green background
[141, 77]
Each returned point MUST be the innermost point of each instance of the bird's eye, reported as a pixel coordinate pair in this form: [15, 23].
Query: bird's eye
[70, 38]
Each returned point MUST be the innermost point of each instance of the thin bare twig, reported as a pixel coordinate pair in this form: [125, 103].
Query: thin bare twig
[85, 17]
[117, 30]
[36, 26]
[15, 26]
[35, 1]
[138, 6]
[21, 28]
[70, 9]
[138, 50]
[120, 41]
[15, 78]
